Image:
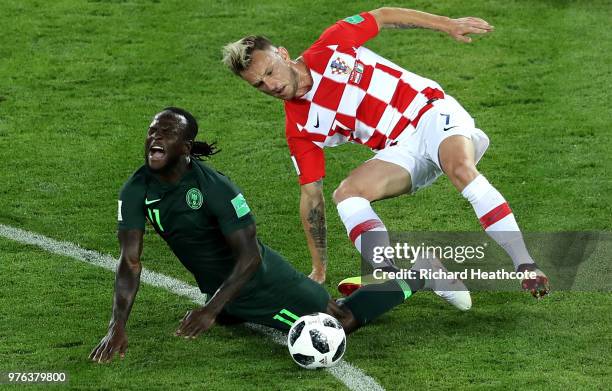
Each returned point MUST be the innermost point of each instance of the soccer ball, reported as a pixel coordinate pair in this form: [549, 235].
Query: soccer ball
[316, 341]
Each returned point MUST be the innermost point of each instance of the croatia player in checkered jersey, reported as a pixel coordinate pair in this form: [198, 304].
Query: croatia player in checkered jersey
[338, 91]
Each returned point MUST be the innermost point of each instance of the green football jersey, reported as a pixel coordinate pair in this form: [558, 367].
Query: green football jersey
[192, 216]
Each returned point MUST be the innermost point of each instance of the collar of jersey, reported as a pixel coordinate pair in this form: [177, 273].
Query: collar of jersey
[166, 186]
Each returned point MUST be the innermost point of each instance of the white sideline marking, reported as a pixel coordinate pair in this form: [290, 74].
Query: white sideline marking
[348, 374]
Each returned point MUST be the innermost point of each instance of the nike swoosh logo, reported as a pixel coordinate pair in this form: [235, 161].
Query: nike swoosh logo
[449, 128]
[147, 202]
[317, 125]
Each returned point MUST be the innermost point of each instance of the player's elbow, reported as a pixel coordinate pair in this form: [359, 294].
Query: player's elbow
[255, 263]
[249, 264]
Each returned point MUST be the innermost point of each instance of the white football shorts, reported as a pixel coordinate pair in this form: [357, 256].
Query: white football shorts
[417, 149]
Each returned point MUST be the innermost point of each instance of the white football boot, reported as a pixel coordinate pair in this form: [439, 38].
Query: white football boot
[452, 290]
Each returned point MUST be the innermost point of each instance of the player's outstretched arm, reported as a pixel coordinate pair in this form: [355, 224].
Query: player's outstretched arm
[312, 212]
[243, 243]
[127, 281]
[390, 17]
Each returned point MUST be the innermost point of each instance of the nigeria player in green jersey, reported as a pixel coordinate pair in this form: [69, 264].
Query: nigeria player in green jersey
[206, 221]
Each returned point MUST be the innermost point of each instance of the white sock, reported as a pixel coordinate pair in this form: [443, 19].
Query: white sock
[497, 219]
[358, 217]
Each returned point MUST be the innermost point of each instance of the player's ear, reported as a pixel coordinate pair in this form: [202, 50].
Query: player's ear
[283, 53]
[187, 145]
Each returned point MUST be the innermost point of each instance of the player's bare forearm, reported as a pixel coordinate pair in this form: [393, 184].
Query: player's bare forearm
[127, 281]
[248, 259]
[127, 277]
[390, 17]
[312, 212]
[202, 319]
[244, 269]
[115, 341]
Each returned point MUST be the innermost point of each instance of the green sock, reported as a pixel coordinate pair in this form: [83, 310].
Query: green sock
[371, 301]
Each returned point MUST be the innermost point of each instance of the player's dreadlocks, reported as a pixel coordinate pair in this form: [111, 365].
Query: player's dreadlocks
[199, 149]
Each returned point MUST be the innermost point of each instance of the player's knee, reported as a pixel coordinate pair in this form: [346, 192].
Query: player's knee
[343, 191]
[462, 172]
[347, 189]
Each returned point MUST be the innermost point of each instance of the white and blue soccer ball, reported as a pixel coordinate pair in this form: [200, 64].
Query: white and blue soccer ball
[316, 341]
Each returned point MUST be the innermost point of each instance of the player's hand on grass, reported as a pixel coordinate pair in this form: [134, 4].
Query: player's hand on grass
[460, 28]
[115, 341]
[196, 322]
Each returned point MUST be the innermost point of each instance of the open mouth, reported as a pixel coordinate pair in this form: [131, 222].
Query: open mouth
[157, 152]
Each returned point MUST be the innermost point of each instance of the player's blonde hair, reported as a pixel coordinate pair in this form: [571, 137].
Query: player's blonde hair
[237, 55]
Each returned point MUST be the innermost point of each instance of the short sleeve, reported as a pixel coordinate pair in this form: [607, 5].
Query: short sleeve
[227, 203]
[308, 159]
[352, 31]
[130, 211]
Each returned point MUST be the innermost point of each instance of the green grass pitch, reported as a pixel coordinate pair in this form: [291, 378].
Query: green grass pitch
[80, 80]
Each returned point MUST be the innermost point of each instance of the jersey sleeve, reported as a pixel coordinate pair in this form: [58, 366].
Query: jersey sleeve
[308, 159]
[226, 202]
[352, 31]
[131, 213]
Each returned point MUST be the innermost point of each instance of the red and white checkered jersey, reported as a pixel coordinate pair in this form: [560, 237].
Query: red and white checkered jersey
[357, 96]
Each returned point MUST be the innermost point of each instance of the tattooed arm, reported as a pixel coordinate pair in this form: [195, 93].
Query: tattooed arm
[389, 17]
[312, 211]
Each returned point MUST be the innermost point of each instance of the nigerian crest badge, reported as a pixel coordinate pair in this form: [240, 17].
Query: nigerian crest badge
[194, 198]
